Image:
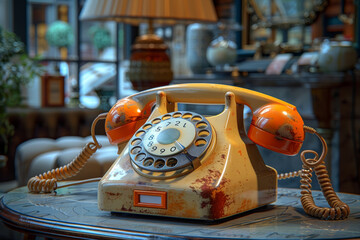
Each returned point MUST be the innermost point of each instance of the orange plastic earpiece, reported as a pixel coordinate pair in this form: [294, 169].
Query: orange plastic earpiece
[277, 127]
[124, 118]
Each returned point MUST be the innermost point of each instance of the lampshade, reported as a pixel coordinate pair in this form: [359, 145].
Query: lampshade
[160, 11]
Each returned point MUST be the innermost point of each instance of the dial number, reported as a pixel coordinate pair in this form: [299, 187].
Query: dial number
[168, 135]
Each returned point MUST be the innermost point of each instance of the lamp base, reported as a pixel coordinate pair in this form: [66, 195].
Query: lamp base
[150, 65]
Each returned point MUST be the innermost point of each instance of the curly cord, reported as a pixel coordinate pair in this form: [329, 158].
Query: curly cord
[282, 176]
[339, 209]
[47, 182]
[100, 116]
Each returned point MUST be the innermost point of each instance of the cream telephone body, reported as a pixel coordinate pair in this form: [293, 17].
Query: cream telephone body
[182, 164]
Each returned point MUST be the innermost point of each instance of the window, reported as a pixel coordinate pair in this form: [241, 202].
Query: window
[86, 53]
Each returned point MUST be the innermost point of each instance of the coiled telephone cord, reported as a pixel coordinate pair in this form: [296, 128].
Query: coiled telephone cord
[47, 181]
[338, 209]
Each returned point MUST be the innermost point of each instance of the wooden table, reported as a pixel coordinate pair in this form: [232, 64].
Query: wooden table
[73, 212]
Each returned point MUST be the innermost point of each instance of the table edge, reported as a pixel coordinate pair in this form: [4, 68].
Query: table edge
[52, 228]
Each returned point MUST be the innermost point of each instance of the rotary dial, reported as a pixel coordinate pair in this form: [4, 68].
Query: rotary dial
[170, 142]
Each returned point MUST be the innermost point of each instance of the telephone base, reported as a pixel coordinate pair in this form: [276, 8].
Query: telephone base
[203, 194]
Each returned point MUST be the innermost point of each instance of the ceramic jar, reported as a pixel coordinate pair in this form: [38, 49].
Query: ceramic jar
[336, 56]
[220, 52]
[198, 38]
[150, 65]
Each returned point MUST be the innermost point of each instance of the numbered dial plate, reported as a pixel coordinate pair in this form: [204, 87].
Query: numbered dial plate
[169, 137]
[170, 142]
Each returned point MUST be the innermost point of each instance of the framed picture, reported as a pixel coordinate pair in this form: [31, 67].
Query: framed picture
[53, 94]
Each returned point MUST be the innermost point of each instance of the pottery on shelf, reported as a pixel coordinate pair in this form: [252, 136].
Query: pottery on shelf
[221, 52]
[336, 56]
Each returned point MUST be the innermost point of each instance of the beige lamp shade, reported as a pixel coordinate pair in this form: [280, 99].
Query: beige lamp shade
[159, 11]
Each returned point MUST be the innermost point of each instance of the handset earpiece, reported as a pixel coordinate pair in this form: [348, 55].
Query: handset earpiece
[124, 118]
[280, 128]
[277, 127]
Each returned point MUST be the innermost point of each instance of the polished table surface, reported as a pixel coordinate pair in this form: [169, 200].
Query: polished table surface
[73, 212]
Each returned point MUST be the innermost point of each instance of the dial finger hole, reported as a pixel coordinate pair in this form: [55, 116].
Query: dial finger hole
[204, 133]
[148, 162]
[156, 121]
[187, 115]
[135, 150]
[176, 115]
[196, 118]
[139, 133]
[200, 142]
[147, 126]
[159, 163]
[166, 117]
[136, 141]
[201, 125]
[171, 162]
[140, 157]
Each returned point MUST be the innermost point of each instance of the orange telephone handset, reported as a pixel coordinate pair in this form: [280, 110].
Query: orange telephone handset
[170, 157]
[276, 125]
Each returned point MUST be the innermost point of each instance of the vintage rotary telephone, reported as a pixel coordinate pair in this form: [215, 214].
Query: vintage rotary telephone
[182, 164]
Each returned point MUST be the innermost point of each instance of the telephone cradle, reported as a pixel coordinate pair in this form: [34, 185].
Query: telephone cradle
[182, 164]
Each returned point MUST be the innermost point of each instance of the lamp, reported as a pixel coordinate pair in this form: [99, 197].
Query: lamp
[150, 65]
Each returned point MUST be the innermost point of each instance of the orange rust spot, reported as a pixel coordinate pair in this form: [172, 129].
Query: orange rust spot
[209, 161]
[126, 209]
[245, 204]
[175, 202]
[190, 212]
[214, 198]
[113, 196]
[177, 206]
[240, 152]
[218, 203]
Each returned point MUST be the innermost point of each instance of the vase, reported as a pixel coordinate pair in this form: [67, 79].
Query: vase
[150, 65]
[221, 52]
[336, 56]
[198, 38]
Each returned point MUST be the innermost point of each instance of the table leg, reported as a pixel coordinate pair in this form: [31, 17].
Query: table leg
[322, 108]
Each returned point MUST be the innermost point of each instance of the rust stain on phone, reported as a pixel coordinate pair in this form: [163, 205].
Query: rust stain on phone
[213, 197]
[113, 196]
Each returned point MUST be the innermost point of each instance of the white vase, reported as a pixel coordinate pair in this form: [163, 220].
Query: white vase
[221, 52]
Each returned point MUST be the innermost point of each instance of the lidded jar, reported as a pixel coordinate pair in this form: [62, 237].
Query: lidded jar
[222, 50]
